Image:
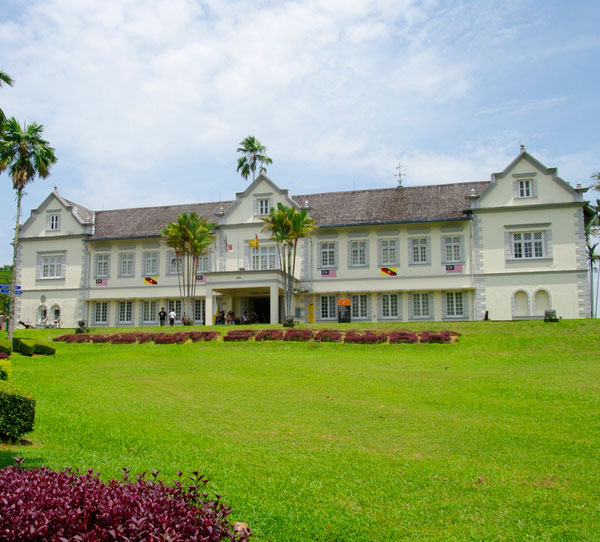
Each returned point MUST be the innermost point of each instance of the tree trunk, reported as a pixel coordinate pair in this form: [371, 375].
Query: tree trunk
[13, 312]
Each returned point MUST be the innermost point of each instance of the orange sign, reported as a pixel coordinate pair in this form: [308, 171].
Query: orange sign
[344, 303]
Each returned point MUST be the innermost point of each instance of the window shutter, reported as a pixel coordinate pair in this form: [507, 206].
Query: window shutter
[48, 222]
[516, 189]
[319, 255]
[120, 264]
[133, 265]
[270, 205]
[247, 256]
[335, 255]
[443, 243]
[411, 312]
[379, 253]
[369, 313]
[38, 267]
[349, 253]
[379, 306]
[465, 300]
[444, 305]
[157, 263]
[63, 265]
[534, 191]
[461, 245]
[318, 303]
[255, 206]
[399, 298]
[548, 244]
[428, 245]
[411, 260]
[508, 246]
[367, 256]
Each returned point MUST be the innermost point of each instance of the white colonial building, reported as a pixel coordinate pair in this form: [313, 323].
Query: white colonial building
[511, 247]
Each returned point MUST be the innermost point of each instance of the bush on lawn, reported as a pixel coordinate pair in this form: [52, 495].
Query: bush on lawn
[17, 412]
[144, 337]
[368, 337]
[5, 367]
[83, 338]
[298, 335]
[204, 336]
[403, 336]
[100, 338]
[239, 335]
[443, 337]
[269, 335]
[43, 349]
[164, 338]
[41, 504]
[5, 346]
[328, 335]
[123, 338]
[23, 347]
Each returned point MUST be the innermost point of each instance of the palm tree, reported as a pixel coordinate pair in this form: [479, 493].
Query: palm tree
[592, 225]
[26, 155]
[252, 154]
[4, 78]
[191, 238]
[596, 178]
[287, 225]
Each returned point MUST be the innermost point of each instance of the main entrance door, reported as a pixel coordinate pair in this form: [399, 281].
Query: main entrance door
[262, 307]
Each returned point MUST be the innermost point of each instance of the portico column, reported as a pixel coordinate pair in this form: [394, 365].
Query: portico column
[209, 309]
[274, 303]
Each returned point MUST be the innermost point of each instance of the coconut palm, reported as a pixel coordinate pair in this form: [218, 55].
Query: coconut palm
[26, 155]
[287, 225]
[4, 79]
[191, 238]
[253, 153]
[596, 178]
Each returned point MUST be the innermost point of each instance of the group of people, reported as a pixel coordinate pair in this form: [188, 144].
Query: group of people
[162, 317]
[230, 319]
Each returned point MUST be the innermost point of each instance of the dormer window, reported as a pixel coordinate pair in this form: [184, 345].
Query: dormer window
[263, 206]
[525, 188]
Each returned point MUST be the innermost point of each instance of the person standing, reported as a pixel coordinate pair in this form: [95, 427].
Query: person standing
[162, 316]
[172, 316]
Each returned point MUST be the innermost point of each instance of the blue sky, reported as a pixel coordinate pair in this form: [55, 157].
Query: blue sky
[145, 101]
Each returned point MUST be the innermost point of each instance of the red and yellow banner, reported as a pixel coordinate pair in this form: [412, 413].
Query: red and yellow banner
[388, 271]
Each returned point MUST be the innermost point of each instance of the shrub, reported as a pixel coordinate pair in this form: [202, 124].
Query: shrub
[43, 349]
[61, 338]
[203, 336]
[181, 337]
[100, 338]
[123, 338]
[269, 335]
[239, 335]
[17, 412]
[82, 338]
[23, 347]
[298, 335]
[403, 336]
[432, 337]
[41, 504]
[5, 367]
[5, 346]
[328, 335]
[144, 337]
[164, 338]
[368, 337]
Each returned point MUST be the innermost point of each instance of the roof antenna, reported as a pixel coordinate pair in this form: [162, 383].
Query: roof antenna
[399, 176]
[522, 146]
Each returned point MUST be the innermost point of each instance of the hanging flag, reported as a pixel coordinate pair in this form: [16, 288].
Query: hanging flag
[101, 282]
[456, 268]
[153, 281]
[254, 242]
[200, 278]
[228, 247]
[328, 273]
[388, 271]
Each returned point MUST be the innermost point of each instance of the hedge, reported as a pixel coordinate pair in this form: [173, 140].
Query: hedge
[17, 412]
[5, 346]
[5, 367]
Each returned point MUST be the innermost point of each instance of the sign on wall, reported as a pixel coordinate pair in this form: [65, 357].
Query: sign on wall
[344, 311]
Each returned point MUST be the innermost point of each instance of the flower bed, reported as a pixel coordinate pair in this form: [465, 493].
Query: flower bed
[403, 336]
[269, 335]
[441, 337]
[234, 335]
[327, 336]
[298, 335]
[123, 338]
[101, 338]
[203, 336]
[368, 337]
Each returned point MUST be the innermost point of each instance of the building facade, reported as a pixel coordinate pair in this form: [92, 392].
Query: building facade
[509, 248]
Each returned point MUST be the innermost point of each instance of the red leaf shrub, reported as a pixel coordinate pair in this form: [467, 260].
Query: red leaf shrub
[204, 336]
[3, 355]
[42, 504]
[328, 335]
[61, 338]
[269, 335]
[239, 335]
[81, 338]
[164, 338]
[443, 337]
[100, 338]
[123, 338]
[368, 337]
[144, 337]
[403, 336]
[298, 335]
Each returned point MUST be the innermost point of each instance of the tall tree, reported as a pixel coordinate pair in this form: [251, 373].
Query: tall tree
[5, 278]
[596, 178]
[4, 79]
[191, 237]
[26, 155]
[287, 225]
[253, 153]
[592, 228]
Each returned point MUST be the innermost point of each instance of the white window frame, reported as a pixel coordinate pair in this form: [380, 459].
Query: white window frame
[525, 188]
[419, 250]
[421, 305]
[264, 258]
[102, 265]
[151, 262]
[358, 254]
[149, 312]
[327, 307]
[203, 264]
[454, 306]
[525, 246]
[174, 264]
[125, 312]
[360, 307]
[263, 206]
[199, 310]
[174, 304]
[452, 249]
[101, 312]
[328, 254]
[390, 306]
[389, 252]
[127, 264]
[54, 222]
[52, 267]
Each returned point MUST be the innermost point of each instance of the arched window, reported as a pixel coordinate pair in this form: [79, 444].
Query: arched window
[541, 301]
[42, 313]
[520, 304]
[55, 314]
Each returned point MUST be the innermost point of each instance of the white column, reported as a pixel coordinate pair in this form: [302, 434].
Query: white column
[274, 302]
[209, 309]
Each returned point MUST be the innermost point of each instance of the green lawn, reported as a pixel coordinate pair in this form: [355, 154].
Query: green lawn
[493, 438]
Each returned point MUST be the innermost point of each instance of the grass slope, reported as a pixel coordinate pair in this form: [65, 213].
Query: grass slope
[493, 438]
